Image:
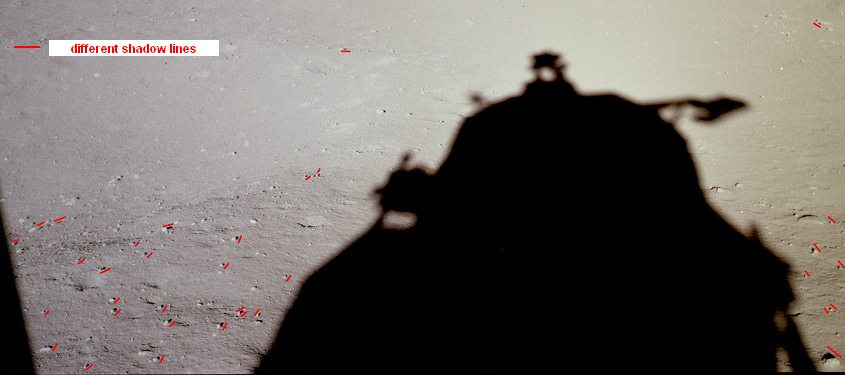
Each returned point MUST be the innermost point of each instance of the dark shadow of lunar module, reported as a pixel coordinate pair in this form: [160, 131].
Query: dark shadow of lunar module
[563, 232]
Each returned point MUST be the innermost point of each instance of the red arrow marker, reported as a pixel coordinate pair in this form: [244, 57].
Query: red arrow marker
[117, 312]
[807, 272]
[172, 324]
[840, 263]
[257, 311]
[226, 265]
[223, 328]
[288, 278]
[307, 177]
[239, 309]
[105, 269]
[59, 219]
[149, 254]
[89, 367]
[116, 300]
[54, 347]
[833, 306]
[137, 243]
[826, 312]
[817, 25]
[834, 351]
[168, 225]
[42, 223]
[162, 359]
[81, 261]
[163, 309]
[243, 313]
[817, 247]
[47, 313]
[239, 238]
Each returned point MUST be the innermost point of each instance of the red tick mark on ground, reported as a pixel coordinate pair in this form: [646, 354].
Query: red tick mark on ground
[239, 309]
[16, 241]
[288, 278]
[149, 254]
[80, 261]
[243, 313]
[833, 306]
[345, 50]
[817, 25]
[89, 367]
[164, 308]
[225, 266]
[42, 223]
[834, 351]
[162, 359]
[831, 219]
[172, 324]
[117, 312]
[308, 176]
[826, 312]
[239, 238]
[817, 247]
[116, 300]
[47, 313]
[137, 243]
[840, 263]
[807, 272]
[54, 347]
[168, 225]
[104, 270]
[223, 327]
[59, 219]
[258, 310]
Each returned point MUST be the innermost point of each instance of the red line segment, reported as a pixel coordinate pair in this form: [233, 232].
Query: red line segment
[834, 351]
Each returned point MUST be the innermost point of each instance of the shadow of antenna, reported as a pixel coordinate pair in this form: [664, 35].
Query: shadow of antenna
[715, 109]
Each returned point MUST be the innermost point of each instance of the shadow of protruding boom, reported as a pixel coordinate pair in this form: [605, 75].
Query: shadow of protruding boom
[14, 347]
[563, 233]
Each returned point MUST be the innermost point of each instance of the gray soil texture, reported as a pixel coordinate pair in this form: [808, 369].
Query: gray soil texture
[222, 148]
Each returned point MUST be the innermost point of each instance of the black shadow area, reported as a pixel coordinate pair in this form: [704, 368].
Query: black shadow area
[14, 346]
[563, 233]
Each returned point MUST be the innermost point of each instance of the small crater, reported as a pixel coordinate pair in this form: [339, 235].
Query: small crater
[313, 221]
[810, 219]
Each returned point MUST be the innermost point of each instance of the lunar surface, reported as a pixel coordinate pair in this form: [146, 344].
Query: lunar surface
[155, 204]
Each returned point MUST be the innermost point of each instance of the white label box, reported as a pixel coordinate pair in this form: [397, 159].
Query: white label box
[101, 48]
